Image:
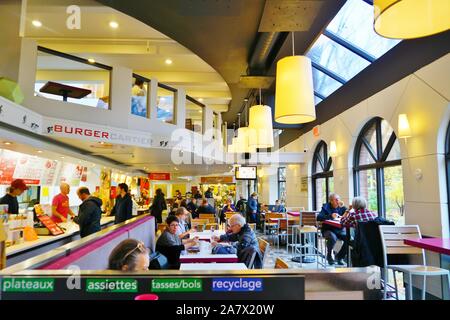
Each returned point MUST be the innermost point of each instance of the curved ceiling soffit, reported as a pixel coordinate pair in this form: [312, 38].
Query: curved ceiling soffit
[219, 32]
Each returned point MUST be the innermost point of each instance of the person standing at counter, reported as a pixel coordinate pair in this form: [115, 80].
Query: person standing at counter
[89, 214]
[18, 186]
[60, 205]
[158, 205]
[123, 208]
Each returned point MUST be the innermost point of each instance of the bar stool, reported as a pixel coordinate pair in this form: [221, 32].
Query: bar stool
[392, 241]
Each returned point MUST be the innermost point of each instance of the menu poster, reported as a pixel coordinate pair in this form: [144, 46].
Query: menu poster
[71, 174]
[50, 225]
[29, 169]
[49, 172]
[84, 174]
[7, 166]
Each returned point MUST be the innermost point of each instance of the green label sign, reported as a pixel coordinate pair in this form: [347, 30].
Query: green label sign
[111, 285]
[28, 285]
[177, 285]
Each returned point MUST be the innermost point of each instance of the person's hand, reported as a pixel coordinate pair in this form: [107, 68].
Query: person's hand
[215, 238]
[195, 239]
[350, 207]
[334, 215]
[192, 231]
[63, 219]
[213, 244]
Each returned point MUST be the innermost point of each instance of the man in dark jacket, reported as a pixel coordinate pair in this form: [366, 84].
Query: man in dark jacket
[89, 214]
[205, 208]
[208, 193]
[330, 211]
[123, 208]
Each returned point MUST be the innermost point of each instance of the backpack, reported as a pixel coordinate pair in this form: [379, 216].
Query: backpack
[158, 261]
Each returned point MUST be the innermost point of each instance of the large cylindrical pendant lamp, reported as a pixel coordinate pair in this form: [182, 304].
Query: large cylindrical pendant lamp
[242, 145]
[294, 95]
[261, 129]
[409, 19]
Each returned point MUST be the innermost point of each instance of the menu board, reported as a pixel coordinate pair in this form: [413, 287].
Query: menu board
[50, 225]
[245, 173]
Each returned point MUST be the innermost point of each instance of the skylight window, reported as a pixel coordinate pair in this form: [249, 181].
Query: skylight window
[346, 47]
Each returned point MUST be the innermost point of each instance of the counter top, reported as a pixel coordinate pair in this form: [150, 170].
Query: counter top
[71, 229]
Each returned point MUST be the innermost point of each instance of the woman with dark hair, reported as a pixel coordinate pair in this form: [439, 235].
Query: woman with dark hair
[158, 205]
[129, 255]
[171, 245]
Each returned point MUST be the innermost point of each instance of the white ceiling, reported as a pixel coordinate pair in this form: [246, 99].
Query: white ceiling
[133, 45]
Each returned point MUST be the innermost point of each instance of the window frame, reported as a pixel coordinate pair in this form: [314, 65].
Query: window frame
[281, 181]
[379, 156]
[326, 162]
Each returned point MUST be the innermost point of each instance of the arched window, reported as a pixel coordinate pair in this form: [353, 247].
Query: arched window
[322, 175]
[447, 162]
[377, 170]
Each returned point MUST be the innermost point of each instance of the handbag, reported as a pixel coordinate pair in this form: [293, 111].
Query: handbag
[158, 261]
[220, 249]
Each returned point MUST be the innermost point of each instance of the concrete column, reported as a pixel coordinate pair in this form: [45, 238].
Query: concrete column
[180, 108]
[153, 93]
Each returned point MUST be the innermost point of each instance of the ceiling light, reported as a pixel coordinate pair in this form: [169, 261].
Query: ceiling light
[200, 99]
[410, 19]
[294, 92]
[261, 127]
[169, 61]
[243, 138]
[404, 130]
[333, 149]
[91, 60]
[7, 143]
[62, 157]
[114, 24]
[36, 23]
[39, 151]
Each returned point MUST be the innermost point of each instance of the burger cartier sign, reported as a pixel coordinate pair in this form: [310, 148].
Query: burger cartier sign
[101, 134]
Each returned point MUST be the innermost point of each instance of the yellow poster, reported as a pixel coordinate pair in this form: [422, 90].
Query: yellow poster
[178, 186]
[161, 186]
[45, 192]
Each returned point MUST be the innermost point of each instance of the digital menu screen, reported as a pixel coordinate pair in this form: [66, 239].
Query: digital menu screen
[245, 173]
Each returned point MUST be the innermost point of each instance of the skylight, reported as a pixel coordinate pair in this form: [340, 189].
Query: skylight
[346, 47]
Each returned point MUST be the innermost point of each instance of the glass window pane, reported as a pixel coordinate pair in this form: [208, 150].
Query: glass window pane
[364, 156]
[394, 154]
[139, 91]
[317, 100]
[194, 117]
[368, 188]
[330, 185]
[371, 138]
[320, 190]
[282, 191]
[354, 23]
[282, 174]
[394, 198]
[324, 84]
[386, 131]
[318, 167]
[336, 58]
[165, 105]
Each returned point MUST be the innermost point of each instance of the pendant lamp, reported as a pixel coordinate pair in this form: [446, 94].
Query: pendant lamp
[409, 19]
[294, 92]
[260, 124]
[243, 138]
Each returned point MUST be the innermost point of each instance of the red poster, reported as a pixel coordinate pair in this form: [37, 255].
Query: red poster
[159, 176]
[84, 174]
[7, 167]
[50, 225]
[113, 192]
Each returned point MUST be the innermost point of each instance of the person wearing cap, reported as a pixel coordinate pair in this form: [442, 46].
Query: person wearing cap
[18, 186]
[60, 204]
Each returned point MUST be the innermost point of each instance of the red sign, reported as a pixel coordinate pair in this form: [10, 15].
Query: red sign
[159, 176]
[50, 225]
[113, 193]
[316, 131]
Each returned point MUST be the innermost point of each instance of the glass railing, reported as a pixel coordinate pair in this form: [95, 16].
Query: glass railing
[64, 77]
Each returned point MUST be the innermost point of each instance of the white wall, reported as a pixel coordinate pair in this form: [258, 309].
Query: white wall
[424, 96]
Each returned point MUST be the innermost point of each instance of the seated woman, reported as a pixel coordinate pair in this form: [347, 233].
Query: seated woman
[129, 255]
[242, 237]
[183, 228]
[170, 244]
[359, 213]
[228, 207]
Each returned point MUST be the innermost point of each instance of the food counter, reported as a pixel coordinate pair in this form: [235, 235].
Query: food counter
[28, 249]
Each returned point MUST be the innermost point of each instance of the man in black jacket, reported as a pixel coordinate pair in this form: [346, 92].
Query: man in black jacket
[89, 214]
[123, 208]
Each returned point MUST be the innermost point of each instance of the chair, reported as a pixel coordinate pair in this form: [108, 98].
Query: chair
[264, 247]
[252, 225]
[392, 238]
[209, 226]
[281, 264]
[162, 227]
[208, 216]
[271, 228]
[228, 215]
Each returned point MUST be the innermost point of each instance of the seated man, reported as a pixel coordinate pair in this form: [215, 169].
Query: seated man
[192, 207]
[358, 214]
[241, 236]
[278, 207]
[170, 244]
[206, 208]
[330, 211]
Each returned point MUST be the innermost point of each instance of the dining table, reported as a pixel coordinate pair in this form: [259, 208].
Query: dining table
[205, 255]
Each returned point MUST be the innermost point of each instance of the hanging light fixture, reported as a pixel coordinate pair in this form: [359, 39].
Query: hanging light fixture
[232, 146]
[294, 92]
[260, 124]
[409, 19]
[243, 138]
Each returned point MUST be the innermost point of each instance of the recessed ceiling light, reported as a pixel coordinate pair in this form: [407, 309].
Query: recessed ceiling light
[200, 99]
[91, 60]
[39, 151]
[169, 61]
[102, 142]
[62, 157]
[36, 23]
[7, 143]
[114, 24]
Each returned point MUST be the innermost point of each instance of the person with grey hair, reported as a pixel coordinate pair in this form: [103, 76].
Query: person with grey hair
[358, 213]
[332, 211]
[241, 236]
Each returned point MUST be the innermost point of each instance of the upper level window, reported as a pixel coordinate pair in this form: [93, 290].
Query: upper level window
[166, 103]
[139, 96]
[377, 170]
[322, 175]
